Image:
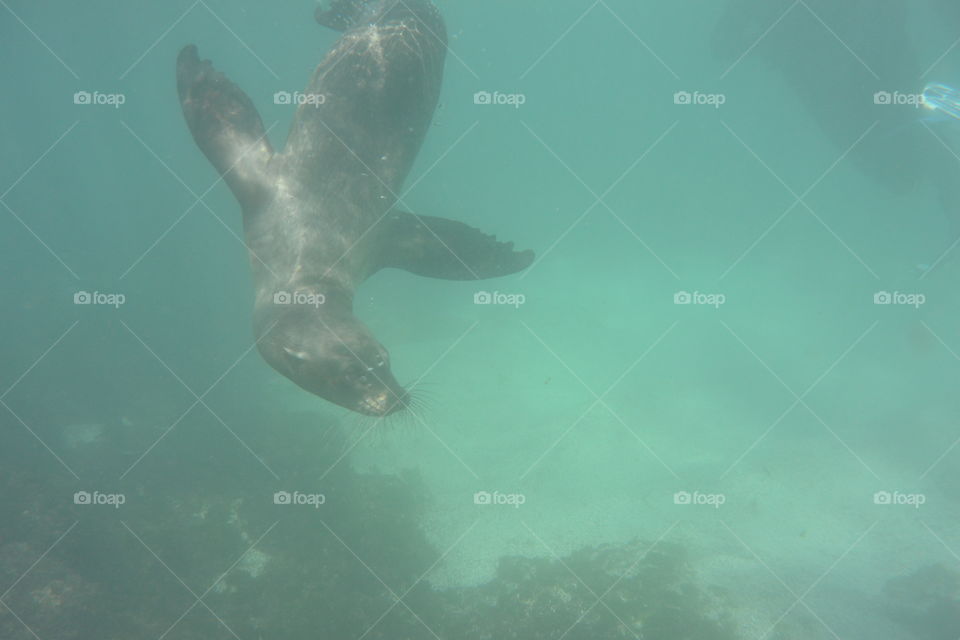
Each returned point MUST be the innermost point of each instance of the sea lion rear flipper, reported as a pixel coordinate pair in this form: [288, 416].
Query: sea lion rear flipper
[442, 248]
[224, 124]
[339, 15]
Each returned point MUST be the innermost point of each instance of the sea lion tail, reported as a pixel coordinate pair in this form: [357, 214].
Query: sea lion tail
[341, 15]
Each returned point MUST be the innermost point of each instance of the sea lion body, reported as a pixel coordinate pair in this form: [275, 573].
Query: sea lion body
[319, 216]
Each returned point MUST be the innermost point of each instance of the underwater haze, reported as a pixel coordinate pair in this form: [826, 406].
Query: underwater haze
[721, 403]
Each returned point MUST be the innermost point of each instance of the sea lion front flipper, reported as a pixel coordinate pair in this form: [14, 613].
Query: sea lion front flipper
[225, 125]
[447, 249]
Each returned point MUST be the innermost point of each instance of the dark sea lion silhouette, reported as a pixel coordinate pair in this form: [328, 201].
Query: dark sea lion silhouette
[319, 215]
[842, 60]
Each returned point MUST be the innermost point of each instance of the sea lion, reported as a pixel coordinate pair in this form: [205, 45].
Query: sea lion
[319, 216]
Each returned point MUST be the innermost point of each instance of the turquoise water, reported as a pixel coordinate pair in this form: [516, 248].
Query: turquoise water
[726, 408]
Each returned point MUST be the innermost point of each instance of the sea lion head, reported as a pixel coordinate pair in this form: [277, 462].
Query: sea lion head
[332, 355]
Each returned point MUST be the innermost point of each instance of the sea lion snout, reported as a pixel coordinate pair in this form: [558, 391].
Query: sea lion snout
[383, 403]
[332, 356]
